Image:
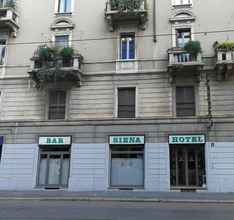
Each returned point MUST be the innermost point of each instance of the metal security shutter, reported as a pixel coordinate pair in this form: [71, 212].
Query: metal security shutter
[126, 102]
[185, 101]
[57, 104]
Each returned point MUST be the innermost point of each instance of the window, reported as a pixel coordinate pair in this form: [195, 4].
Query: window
[185, 101]
[183, 36]
[64, 6]
[0, 152]
[62, 40]
[2, 52]
[127, 46]
[126, 102]
[57, 104]
[182, 2]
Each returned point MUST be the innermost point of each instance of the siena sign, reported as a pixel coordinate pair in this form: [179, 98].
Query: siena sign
[127, 140]
[66, 140]
[187, 139]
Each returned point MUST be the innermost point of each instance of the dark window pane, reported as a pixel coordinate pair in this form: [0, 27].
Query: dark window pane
[185, 101]
[126, 103]
[0, 152]
[57, 104]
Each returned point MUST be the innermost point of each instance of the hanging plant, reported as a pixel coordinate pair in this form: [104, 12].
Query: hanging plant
[193, 47]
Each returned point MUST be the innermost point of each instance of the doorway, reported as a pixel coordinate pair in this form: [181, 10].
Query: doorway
[187, 165]
[54, 167]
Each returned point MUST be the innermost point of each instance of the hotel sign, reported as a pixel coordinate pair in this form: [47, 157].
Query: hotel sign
[187, 139]
[65, 140]
[127, 140]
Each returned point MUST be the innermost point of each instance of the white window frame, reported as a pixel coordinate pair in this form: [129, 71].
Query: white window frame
[62, 33]
[116, 100]
[56, 8]
[181, 26]
[182, 3]
[120, 46]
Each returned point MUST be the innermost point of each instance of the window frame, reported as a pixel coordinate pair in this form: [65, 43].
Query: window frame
[117, 98]
[62, 33]
[67, 96]
[57, 7]
[182, 4]
[196, 99]
[120, 49]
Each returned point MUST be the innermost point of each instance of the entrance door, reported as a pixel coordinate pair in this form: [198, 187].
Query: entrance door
[187, 165]
[127, 166]
[53, 168]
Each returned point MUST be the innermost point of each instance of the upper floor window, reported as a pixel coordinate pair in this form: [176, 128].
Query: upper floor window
[181, 2]
[183, 36]
[126, 102]
[2, 52]
[185, 101]
[64, 6]
[62, 40]
[127, 46]
[57, 104]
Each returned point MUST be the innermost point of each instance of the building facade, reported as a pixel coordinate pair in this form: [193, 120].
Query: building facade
[113, 94]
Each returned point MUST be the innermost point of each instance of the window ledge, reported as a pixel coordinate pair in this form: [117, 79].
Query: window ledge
[64, 14]
[182, 6]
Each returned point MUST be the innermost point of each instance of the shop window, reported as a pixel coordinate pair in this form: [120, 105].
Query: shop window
[64, 6]
[127, 46]
[126, 102]
[185, 101]
[57, 104]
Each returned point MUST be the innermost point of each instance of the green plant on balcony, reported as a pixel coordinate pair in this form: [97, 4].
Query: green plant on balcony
[8, 4]
[193, 48]
[227, 45]
[122, 5]
[49, 63]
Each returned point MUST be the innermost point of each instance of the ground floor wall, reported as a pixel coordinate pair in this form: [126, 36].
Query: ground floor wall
[90, 167]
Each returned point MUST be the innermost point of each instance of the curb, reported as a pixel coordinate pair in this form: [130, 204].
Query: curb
[111, 199]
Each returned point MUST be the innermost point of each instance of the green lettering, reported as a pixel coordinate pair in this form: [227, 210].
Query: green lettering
[48, 141]
[60, 141]
[132, 140]
[174, 139]
[125, 140]
[138, 140]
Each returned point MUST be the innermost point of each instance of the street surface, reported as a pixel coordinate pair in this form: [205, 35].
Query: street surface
[52, 210]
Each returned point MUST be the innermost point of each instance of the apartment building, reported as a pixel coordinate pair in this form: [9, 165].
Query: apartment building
[114, 94]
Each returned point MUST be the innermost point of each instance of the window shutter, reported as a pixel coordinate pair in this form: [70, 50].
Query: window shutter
[185, 101]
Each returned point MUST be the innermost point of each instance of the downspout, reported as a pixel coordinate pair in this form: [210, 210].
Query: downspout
[154, 22]
[209, 105]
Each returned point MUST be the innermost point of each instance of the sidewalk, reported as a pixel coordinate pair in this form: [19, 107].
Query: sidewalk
[120, 196]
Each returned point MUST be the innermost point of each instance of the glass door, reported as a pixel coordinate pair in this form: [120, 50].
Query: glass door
[187, 164]
[54, 169]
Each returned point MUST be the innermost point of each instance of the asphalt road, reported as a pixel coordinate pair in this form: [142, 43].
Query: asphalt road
[36, 210]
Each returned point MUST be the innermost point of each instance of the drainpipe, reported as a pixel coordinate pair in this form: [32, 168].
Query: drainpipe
[210, 120]
[154, 22]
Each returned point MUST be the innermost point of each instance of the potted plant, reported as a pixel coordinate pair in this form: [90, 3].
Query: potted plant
[67, 54]
[10, 4]
[227, 45]
[193, 48]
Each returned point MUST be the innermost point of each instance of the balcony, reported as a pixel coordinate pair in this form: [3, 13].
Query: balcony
[9, 17]
[179, 59]
[125, 11]
[54, 67]
[224, 59]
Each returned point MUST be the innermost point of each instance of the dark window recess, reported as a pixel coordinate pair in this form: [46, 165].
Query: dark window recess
[57, 104]
[185, 101]
[0, 152]
[126, 102]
